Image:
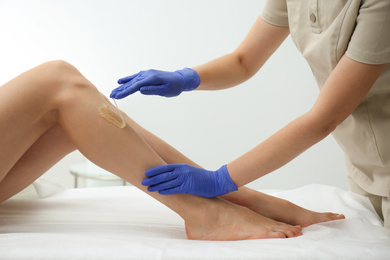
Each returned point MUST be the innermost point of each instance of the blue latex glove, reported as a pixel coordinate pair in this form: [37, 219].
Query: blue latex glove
[156, 82]
[182, 178]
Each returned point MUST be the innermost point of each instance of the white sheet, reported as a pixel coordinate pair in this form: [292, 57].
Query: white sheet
[124, 223]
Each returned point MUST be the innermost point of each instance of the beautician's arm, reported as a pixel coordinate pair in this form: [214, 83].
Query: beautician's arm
[234, 68]
[342, 93]
[224, 72]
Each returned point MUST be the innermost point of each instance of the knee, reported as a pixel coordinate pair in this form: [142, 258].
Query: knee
[66, 83]
[58, 65]
[55, 70]
[59, 73]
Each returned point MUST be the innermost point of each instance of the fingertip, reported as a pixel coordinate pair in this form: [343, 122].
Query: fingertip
[144, 182]
[151, 172]
[113, 94]
[119, 96]
[165, 192]
[152, 189]
[125, 79]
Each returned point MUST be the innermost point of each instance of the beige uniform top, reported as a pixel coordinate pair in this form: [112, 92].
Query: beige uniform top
[325, 30]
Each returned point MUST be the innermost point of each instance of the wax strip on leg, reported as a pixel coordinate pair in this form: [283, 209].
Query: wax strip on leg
[110, 115]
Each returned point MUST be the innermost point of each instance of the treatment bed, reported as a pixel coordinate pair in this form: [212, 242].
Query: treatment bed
[124, 223]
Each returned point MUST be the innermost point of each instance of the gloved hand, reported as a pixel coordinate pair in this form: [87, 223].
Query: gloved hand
[182, 178]
[156, 82]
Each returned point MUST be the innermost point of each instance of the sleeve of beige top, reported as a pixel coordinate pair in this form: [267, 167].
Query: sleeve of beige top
[370, 41]
[275, 12]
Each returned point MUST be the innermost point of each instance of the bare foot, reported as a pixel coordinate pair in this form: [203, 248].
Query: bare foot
[225, 221]
[285, 211]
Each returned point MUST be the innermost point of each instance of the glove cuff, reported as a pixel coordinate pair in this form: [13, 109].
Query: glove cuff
[226, 183]
[191, 78]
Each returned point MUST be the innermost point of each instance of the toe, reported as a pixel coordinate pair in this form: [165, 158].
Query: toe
[278, 235]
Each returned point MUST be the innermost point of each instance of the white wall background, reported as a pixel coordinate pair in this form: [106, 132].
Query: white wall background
[108, 39]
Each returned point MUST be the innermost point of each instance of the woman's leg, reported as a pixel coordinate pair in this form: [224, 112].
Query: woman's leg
[51, 147]
[266, 205]
[56, 94]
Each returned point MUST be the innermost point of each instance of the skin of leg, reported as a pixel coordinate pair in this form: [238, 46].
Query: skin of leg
[51, 147]
[56, 94]
[264, 204]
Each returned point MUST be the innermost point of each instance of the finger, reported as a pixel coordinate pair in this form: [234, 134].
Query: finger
[125, 90]
[115, 93]
[160, 169]
[131, 87]
[153, 90]
[165, 185]
[160, 178]
[175, 190]
[126, 83]
[127, 78]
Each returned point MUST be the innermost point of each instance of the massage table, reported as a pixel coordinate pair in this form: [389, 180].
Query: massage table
[122, 222]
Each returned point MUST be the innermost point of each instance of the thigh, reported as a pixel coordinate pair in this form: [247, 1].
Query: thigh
[26, 113]
[51, 147]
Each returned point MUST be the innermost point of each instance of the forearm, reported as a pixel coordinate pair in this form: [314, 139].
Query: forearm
[221, 73]
[342, 93]
[278, 150]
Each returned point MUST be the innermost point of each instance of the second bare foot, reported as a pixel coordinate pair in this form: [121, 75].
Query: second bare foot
[221, 220]
[285, 211]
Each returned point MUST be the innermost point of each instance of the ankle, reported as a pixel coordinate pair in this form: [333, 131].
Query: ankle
[202, 221]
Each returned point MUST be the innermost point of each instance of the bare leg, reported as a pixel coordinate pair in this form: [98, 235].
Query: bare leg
[266, 205]
[280, 209]
[55, 94]
[52, 146]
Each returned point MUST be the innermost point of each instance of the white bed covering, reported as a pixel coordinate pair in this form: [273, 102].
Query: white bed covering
[124, 223]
